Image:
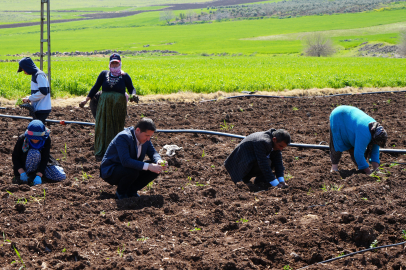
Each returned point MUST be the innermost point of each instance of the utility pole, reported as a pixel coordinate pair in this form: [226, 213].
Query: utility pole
[48, 39]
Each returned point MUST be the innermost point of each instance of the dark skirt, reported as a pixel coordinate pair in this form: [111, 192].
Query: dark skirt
[110, 119]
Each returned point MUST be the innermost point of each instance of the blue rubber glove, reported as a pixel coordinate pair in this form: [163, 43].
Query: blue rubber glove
[24, 177]
[37, 181]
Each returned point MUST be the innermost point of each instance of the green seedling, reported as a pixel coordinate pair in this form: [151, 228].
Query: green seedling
[19, 102]
[374, 244]
[199, 185]
[142, 115]
[142, 239]
[341, 254]
[295, 109]
[393, 164]
[102, 213]
[226, 127]
[64, 250]
[64, 153]
[365, 199]
[85, 176]
[378, 178]
[243, 220]
[5, 239]
[241, 109]
[212, 166]
[19, 256]
[121, 251]
[163, 163]
[310, 191]
[287, 267]
[203, 154]
[128, 224]
[333, 187]
[22, 200]
[150, 186]
[404, 234]
[288, 176]
[388, 101]
[296, 158]
[195, 229]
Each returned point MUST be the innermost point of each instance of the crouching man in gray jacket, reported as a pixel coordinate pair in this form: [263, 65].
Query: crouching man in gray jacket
[256, 156]
[123, 163]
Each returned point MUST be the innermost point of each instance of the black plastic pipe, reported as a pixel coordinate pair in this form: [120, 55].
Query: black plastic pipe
[299, 145]
[335, 95]
[354, 253]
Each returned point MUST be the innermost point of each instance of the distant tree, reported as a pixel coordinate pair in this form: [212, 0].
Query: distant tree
[317, 44]
[166, 15]
[402, 43]
[190, 15]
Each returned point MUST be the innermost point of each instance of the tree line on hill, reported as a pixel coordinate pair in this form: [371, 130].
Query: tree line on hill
[283, 9]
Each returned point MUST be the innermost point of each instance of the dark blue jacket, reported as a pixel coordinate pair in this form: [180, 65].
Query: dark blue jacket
[255, 148]
[123, 150]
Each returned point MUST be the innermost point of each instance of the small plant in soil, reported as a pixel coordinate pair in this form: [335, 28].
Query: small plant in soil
[150, 186]
[341, 254]
[378, 178]
[38, 199]
[212, 166]
[195, 229]
[142, 115]
[64, 153]
[22, 200]
[5, 240]
[287, 267]
[242, 220]
[297, 158]
[102, 213]
[226, 126]
[199, 185]
[85, 176]
[295, 109]
[142, 239]
[288, 176]
[310, 191]
[241, 109]
[63, 250]
[333, 187]
[374, 244]
[203, 154]
[19, 256]
[404, 234]
[365, 199]
[388, 101]
[393, 164]
[121, 251]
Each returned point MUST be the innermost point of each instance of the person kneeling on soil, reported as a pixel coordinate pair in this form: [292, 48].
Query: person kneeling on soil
[352, 129]
[256, 156]
[123, 164]
[31, 156]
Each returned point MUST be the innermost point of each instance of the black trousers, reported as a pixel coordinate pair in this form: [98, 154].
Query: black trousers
[256, 172]
[130, 180]
[41, 116]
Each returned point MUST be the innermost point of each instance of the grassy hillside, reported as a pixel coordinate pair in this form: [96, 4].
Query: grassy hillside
[230, 36]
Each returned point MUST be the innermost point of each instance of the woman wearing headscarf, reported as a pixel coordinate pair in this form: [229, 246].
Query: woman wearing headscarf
[353, 130]
[31, 156]
[112, 104]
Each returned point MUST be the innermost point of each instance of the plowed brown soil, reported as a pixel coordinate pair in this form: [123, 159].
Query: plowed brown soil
[194, 216]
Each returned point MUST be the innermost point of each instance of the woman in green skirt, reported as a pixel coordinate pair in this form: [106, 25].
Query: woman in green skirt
[112, 105]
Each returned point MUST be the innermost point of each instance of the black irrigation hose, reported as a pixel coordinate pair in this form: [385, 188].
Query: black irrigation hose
[354, 253]
[335, 95]
[299, 145]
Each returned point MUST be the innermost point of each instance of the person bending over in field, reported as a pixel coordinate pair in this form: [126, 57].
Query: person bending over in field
[123, 163]
[256, 156]
[40, 97]
[31, 156]
[353, 130]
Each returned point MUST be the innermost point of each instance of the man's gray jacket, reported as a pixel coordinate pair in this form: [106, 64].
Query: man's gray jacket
[255, 148]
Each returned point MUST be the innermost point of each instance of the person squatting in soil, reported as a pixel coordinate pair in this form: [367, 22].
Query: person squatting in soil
[353, 130]
[31, 156]
[123, 163]
[256, 156]
[112, 104]
[40, 97]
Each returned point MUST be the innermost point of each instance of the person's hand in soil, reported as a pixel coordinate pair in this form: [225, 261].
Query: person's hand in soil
[163, 164]
[282, 185]
[83, 103]
[155, 168]
[26, 100]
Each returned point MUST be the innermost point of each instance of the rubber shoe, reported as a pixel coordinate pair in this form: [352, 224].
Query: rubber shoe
[121, 196]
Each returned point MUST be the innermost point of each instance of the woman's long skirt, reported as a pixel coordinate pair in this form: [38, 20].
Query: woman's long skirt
[110, 118]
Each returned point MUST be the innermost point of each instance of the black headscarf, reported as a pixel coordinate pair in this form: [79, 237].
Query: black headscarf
[378, 137]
